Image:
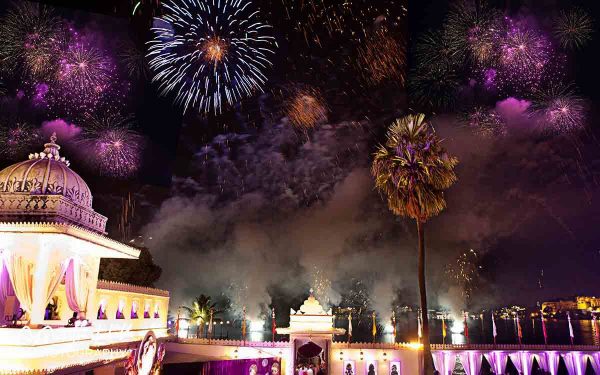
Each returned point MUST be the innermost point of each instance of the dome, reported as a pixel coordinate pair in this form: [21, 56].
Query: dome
[46, 173]
[45, 188]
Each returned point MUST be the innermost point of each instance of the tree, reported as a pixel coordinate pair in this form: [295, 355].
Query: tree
[412, 170]
[142, 271]
[199, 312]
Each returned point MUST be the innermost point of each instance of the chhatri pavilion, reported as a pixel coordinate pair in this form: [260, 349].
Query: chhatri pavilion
[55, 313]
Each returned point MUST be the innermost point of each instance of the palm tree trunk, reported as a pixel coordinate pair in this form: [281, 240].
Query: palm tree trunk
[427, 360]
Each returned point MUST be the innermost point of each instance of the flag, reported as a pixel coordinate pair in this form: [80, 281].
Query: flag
[349, 326]
[544, 328]
[374, 326]
[595, 327]
[210, 324]
[443, 328]
[394, 324]
[466, 327]
[419, 328]
[273, 325]
[244, 323]
[570, 328]
[519, 330]
[494, 331]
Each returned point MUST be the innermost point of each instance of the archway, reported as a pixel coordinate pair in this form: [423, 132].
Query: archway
[310, 355]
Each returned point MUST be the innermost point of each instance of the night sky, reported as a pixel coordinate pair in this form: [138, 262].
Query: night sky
[246, 205]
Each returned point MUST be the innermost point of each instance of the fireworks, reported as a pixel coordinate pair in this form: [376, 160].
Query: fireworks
[27, 32]
[18, 139]
[434, 51]
[524, 54]
[84, 71]
[434, 88]
[113, 148]
[471, 29]
[573, 28]
[382, 58]
[209, 52]
[305, 107]
[465, 271]
[486, 122]
[133, 59]
[559, 109]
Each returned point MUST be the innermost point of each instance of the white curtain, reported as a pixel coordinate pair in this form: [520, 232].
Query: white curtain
[439, 363]
[574, 362]
[527, 361]
[553, 360]
[516, 360]
[6, 288]
[471, 362]
[53, 279]
[542, 360]
[77, 285]
[20, 273]
[491, 358]
[501, 362]
[594, 360]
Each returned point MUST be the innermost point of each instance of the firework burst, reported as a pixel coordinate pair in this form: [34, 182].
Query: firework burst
[472, 28]
[524, 55]
[133, 59]
[28, 34]
[382, 58]
[18, 140]
[573, 28]
[209, 52]
[433, 50]
[304, 106]
[114, 149]
[486, 122]
[465, 271]
[559, 109]
[435, 88]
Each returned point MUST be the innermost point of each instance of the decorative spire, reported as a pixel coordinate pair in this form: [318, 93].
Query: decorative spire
[50, 151]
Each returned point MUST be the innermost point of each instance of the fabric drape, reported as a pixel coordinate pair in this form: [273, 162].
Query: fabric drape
[77, 285]
[491, 358]
[574, 362]
[595, 361]
[6, 288]
[527, 361]
[55, 275]
[542, 360]
[501, 362]
[439, 363]
[515, 358]
[553, 360]
[20, 273]
[471, 362]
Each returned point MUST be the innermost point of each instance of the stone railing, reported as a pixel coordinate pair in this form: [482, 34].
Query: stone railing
[130, 288]
[55, 208]
[225, 342]
[372, 345]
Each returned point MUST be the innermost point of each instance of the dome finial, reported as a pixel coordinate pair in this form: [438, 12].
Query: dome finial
[53, 137]
[50, 151]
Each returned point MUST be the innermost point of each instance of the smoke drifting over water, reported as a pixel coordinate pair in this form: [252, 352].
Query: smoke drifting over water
[277, 212]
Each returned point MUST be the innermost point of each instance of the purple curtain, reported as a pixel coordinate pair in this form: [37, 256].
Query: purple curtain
[6, 288]
[240, 366]
[439, 363]
[471, 362]
[553, 360]
[515, 358]
[574, 363]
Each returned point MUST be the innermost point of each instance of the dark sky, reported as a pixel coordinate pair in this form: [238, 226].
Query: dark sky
[242, 204]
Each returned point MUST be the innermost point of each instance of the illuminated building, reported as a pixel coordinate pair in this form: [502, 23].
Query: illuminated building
[56, 314]
[582, 303]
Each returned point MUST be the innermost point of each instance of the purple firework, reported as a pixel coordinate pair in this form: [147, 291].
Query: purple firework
[524, 54]
[560, 110]
[114, 149]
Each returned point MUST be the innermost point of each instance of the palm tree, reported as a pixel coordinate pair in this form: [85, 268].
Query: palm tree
[199, 312]
[412, 170]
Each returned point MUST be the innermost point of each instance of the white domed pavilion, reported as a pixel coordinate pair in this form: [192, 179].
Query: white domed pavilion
[51, 244]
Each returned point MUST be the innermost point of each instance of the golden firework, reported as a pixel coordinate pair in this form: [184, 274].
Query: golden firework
[306, 107]
[382, 58]
[215, 49]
